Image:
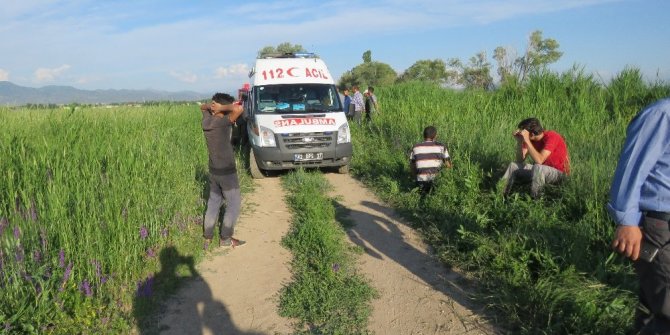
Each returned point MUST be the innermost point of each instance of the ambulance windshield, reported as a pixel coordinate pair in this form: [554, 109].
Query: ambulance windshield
[297, 98]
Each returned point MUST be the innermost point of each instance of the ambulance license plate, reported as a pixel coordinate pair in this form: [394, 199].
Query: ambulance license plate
[308, 156]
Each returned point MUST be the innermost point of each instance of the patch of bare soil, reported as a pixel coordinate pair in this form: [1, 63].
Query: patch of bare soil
[418, 295]
[236, 291]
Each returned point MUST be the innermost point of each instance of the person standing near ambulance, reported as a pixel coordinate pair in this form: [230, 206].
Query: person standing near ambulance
[218, 118]
[359, 103]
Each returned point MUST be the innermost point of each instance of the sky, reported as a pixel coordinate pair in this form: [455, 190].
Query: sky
[210, 46]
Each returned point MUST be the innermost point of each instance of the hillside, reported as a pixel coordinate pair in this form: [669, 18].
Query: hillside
[13, 95]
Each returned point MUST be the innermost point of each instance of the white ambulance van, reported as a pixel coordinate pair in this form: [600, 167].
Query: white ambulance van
[294, 116]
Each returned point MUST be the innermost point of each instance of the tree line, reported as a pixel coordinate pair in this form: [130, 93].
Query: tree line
[476, 73]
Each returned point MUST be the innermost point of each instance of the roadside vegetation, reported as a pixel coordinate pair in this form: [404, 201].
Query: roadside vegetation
[92, 201]
[327, 295]
[544, 267]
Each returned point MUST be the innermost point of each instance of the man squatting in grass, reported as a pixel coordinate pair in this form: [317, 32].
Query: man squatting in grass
[548, 151]
[217, 121]
[640, 206]
[426, 160]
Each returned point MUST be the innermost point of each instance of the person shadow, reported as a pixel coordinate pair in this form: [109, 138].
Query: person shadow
[177, 300]
[378, 236]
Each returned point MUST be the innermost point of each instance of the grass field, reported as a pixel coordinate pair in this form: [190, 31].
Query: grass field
[544, 266]
[89, 200]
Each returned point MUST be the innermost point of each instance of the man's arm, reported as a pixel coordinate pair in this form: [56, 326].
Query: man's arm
[646, 140]
[538, 156]
[233, 111]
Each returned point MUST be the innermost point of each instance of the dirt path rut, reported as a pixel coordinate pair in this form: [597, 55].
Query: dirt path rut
[417, 294]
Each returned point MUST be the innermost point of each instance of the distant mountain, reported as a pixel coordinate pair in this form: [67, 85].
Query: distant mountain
[13, 95]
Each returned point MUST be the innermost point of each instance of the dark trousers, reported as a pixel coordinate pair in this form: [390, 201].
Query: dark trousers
[653, 314]
[425, 187]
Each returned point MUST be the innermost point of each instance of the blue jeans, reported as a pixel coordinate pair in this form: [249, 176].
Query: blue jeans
[222, 187]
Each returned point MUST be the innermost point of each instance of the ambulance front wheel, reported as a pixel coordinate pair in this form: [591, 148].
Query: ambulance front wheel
[256, 172]
[344, 169]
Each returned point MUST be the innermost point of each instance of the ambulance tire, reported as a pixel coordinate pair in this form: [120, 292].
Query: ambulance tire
[344, 169]
[256, 172]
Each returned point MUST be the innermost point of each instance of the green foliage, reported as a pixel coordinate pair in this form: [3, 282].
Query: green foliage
[538, 55]
[282, 48]
[544, 266]
[89, 198]
[326, 294]
[475, 75]
[369, 73]
[434, 71]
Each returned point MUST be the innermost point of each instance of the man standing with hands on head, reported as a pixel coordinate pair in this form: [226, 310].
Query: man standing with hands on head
[640, 206]
[218, 118]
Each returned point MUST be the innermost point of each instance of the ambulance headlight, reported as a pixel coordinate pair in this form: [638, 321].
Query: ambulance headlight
[267, 137]
[343, 134]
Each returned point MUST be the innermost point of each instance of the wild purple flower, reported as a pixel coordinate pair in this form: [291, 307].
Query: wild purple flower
[33, 210]
[143, 232]
[8, 326]
[66, 276]
[61, 258]
[50, 174]
[336, 267]
[85, 288]
[17, 232]
[145, 288]
[103, 279]
[98, 271]
[165, 232]
[4, 222]
[19, 253]
[43, 239]
[151, 253]
[37, 256]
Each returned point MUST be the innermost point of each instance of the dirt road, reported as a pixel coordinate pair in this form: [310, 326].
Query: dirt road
[418, 294]
[237, 290]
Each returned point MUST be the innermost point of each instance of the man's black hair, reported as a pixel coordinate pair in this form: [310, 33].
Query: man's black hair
[532, 125]
[429, 132]
[371, 89]
[223, 98]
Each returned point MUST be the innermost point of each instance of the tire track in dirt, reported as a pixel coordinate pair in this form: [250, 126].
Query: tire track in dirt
[418, 295]
[236, 291]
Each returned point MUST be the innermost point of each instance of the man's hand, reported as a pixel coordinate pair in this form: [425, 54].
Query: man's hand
[627, 241]
[517, 135]
[525, 135]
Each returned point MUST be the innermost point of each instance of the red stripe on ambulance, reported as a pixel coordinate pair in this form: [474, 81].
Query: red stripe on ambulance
[305, 122]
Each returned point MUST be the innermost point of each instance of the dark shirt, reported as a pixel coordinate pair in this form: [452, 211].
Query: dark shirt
[218, 132]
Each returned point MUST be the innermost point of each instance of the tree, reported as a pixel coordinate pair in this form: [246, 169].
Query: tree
[428, 70]
[370, 73]
[539, 54]
[475, 75]
[282, 48]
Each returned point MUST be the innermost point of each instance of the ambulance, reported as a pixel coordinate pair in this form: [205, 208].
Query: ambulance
[294, 116]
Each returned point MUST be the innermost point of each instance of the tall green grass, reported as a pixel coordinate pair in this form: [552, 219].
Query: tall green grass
[89, 197]
[545, 266]
[326, 294]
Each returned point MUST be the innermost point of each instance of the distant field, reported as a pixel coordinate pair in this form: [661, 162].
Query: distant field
[89, 198]
[545, 267]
